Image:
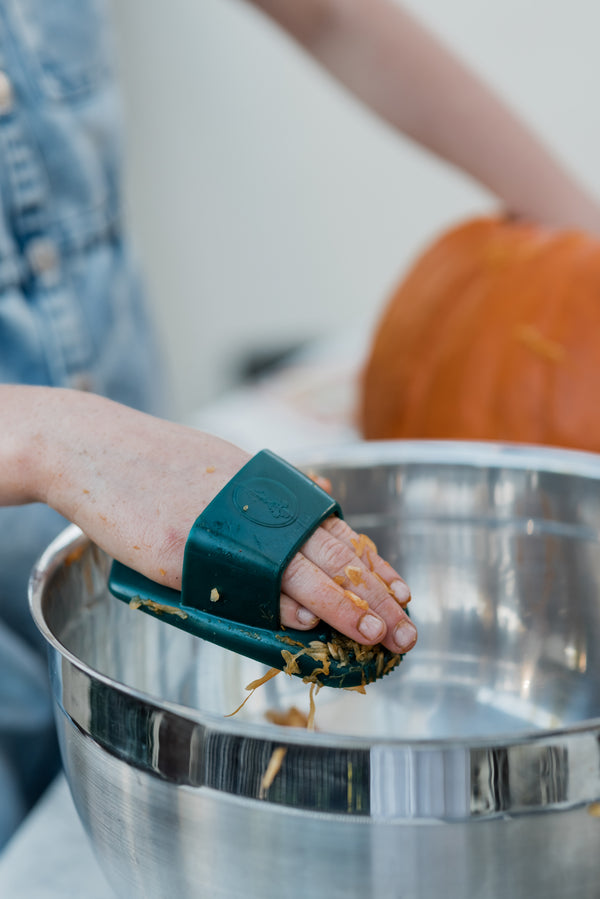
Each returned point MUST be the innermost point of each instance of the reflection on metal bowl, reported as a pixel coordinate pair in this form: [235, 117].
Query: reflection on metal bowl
[473, 770]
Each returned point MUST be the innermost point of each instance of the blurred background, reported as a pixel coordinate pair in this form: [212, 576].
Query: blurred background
[269, 208]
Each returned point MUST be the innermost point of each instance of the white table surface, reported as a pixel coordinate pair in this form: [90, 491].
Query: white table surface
[50, 856]
[309, 403]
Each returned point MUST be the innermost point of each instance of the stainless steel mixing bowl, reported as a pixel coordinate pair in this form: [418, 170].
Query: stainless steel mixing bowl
[471, 771]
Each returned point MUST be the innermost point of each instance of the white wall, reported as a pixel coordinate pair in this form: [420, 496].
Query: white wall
[268, 206]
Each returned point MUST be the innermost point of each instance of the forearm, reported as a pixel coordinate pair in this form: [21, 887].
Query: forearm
[99, 463]
[401, 71]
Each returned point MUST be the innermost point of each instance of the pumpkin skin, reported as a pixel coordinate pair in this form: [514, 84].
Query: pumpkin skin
[494, 334]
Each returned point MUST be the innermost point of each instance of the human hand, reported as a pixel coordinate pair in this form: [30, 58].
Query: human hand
[135, 484]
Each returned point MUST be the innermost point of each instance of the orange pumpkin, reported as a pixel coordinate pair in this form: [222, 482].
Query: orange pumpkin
[493, 335]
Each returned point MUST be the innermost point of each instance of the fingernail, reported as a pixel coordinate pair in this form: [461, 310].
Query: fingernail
[305, 616]
[371, 628]
[401, 591]
[405, 635]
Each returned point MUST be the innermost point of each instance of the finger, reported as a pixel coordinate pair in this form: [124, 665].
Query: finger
[320, 481]
[338, 559]
[294, 615]
[309, 585]
[366, 551]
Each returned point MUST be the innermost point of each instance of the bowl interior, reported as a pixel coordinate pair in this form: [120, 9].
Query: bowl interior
[501, 553]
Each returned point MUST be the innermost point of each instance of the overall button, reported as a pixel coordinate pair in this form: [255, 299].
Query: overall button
[6, 94]
[42, 256]
[44, 261]
[82, 381]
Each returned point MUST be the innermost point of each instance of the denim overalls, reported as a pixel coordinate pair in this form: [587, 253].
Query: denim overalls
[71, 310]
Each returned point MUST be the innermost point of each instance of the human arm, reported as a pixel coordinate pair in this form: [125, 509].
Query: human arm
[406, 75]
[135, 484]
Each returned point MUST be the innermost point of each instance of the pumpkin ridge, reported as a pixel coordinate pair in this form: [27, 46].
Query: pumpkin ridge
[522, 384]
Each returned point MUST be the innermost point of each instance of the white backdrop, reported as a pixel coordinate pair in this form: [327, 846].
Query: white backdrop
[269, 207]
